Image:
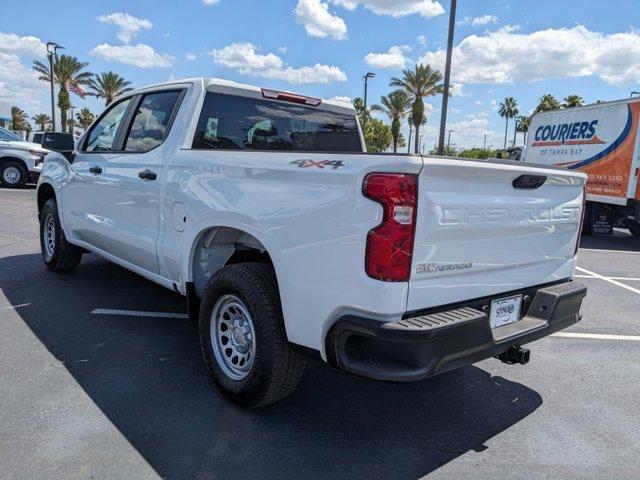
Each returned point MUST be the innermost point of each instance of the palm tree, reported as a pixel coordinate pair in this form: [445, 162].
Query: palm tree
[421, 82]
[67, 71]
[507, 109]
[547, 103]
[18, 119]
[411, 122]
[522, 126]
[395, 106]
[41, 119]
[108, 85]
[571, 101]
[85, 117]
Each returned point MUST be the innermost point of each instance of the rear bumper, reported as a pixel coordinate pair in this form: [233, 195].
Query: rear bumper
[437, 341]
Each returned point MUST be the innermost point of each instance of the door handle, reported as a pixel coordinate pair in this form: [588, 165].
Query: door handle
[95, 170]
[147, 175]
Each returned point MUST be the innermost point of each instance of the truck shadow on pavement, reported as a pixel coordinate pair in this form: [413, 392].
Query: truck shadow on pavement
[620, 240]
[147, 376]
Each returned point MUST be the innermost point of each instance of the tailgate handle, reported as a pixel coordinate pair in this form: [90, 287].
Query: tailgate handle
[529, 181]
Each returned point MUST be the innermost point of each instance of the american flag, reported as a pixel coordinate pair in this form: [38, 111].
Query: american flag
[77, 90]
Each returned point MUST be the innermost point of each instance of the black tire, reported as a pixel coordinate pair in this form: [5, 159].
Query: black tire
[276, 369]
[13, 174]
[634, 228]
[58, 254]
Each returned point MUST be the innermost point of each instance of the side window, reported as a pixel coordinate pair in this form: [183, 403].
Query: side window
[151, 122]
[102, 136]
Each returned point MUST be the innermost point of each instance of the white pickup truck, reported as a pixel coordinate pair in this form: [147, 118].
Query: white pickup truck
[288, 240]
[20, 161]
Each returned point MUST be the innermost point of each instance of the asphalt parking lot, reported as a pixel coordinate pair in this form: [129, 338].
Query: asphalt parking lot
[89, 392]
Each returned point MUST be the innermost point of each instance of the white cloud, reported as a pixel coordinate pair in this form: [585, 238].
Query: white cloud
[342, 99]
[19, 85]
[314, 15]
[245, 58]
[505, 56]
[396, 8]
[483, 20]
[478, 102]
[455, 111]
[393, 59]
[140, 55]
[283, 49]
[28, 45]
[480, 21]
[422, 39]
[129, 25]
[190, 56]
[210, 2]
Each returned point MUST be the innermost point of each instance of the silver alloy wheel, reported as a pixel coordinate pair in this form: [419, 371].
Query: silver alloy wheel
[12, 175]
[233, 337]
[49, 233]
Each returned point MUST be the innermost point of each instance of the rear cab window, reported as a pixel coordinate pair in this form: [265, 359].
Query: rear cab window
[231, 122]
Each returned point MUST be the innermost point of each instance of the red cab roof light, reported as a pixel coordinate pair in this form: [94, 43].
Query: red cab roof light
[290, 97]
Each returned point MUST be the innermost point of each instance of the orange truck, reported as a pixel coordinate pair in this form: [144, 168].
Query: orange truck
[602, 141]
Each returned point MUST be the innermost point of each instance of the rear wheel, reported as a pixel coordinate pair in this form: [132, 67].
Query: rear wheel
[13, 175]
[243, 339]
[58, 254]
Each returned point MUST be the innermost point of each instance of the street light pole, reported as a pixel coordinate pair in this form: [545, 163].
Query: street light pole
[484, 147]
[515, 132]
[447, 77]
[449, 140]
[366, 79]
[51, 50]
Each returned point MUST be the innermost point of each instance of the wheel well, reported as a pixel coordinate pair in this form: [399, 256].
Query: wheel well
[220, 246]
[4, 160]
[45, 192]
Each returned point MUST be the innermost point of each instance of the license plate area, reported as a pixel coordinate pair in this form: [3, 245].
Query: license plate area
[505, 311]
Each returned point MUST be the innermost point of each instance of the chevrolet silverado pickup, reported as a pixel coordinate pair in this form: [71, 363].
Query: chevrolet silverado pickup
[20, 162]
[288, 240]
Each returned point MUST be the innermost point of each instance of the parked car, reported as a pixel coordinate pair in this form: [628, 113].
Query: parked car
[20, 161]
[288, 240]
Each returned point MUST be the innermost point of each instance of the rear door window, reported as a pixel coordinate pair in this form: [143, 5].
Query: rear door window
[233, 122]
[151, 121]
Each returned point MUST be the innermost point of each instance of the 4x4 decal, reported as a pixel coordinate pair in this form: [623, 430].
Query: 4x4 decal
[305, 163]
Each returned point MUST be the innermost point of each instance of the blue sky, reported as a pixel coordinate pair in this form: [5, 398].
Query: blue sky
[323, 47]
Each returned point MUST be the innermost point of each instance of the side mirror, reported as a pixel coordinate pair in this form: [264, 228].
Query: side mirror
[60, 142]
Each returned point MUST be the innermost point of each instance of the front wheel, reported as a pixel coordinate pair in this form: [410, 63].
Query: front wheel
[58, 254]
[243, 339]
[13, 175]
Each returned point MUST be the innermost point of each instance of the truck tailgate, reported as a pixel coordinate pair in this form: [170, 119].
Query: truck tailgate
[478, 235]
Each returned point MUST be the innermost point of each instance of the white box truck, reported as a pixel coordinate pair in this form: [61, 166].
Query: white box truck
[600, 140]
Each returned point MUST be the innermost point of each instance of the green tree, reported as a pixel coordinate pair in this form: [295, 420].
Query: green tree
[477, 152]
[571, 101]
[108, 85]
[18, 119]
[67, 71]
[522, 126]
[395, 106]
[411, 122]
[547, 103]
[419, 83]
[507, 109]
[85, 117]
[42, 120]
[448, 151]
[377, 135]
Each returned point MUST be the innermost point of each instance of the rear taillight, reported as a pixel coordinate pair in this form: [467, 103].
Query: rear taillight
[390, 244]
[582, 212]
[290, 97]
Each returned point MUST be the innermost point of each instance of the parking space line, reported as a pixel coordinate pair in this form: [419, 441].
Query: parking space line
[597, 336]
[137, 313]
[626, 279]
[610, 280]
[13, 307]
[609, 251]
